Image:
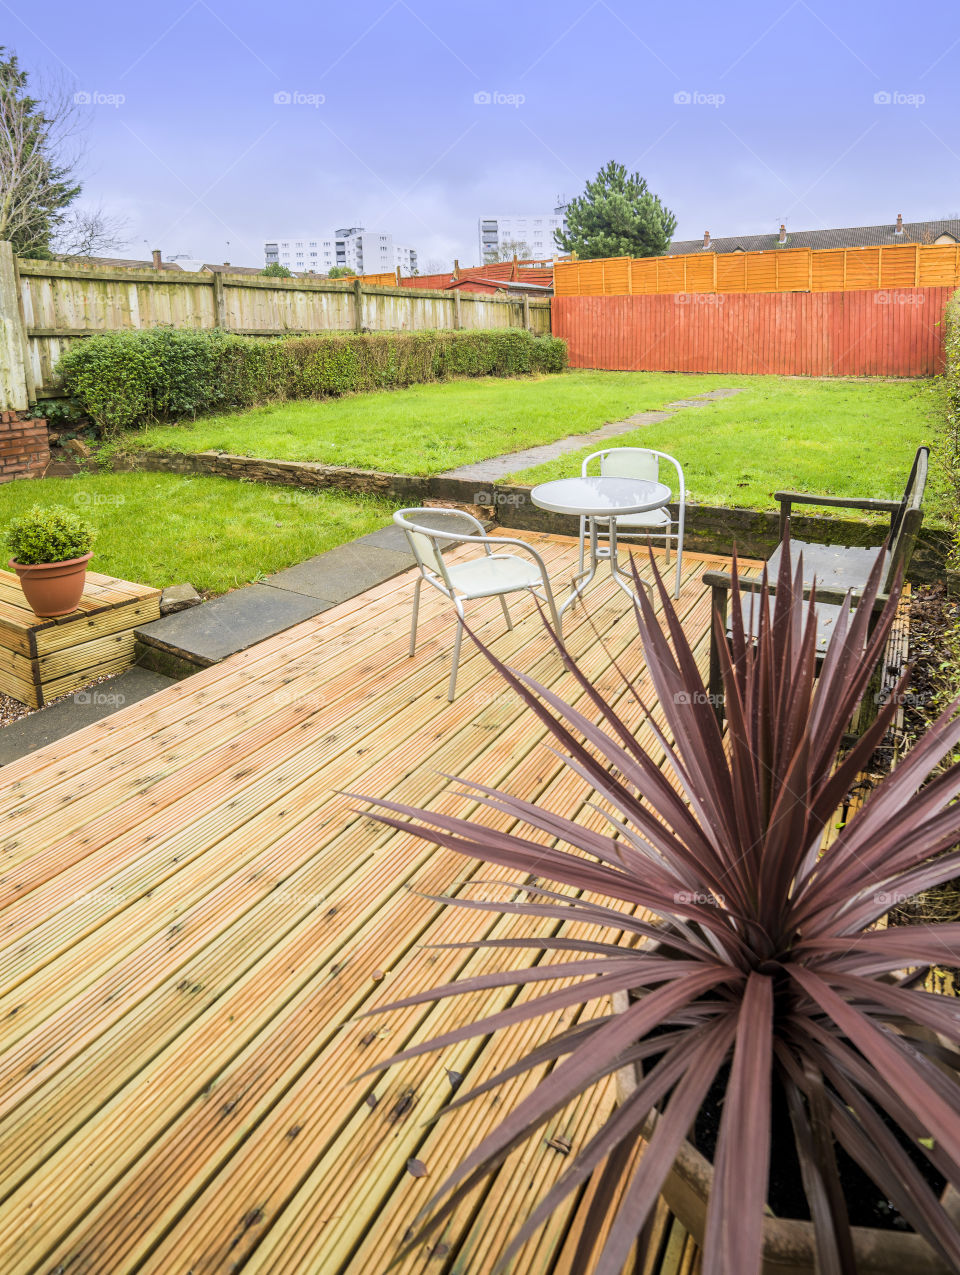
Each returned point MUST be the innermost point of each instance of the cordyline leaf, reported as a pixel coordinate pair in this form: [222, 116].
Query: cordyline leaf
[820, 1183]
[749, 948]
[879, 1050]
[735, 1213]
[685, 1102]
[622, 1124]
[593, 1060]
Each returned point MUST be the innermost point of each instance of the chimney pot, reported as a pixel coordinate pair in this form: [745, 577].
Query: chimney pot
[783, 233]
[899, 229]
[157, 259]
[706, 239]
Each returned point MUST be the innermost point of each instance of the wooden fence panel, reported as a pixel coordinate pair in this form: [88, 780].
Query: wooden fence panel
[775, 270]
[897, 332]
[63, 304]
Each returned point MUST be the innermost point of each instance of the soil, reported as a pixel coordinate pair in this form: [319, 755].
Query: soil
[934, 629]
[865, 1205]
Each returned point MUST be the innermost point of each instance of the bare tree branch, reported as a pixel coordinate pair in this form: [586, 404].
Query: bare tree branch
[40, 150]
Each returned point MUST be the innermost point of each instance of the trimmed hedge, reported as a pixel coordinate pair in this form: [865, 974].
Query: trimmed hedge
[951, 374]
[123, 379]
[948, 443]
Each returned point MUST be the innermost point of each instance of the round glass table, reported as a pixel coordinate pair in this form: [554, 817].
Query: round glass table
[600, 499]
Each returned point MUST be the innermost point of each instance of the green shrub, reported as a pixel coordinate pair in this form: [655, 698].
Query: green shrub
[947, 447]
[49, 534]
[123, 379]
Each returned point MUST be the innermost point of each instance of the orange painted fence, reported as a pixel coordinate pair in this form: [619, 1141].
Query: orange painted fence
[775, 270]
[898, 332]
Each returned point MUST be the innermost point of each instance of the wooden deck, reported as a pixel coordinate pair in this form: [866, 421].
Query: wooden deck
[194, 918]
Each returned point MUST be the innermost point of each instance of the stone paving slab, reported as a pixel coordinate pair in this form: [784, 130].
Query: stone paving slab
[209, 633]
[78, 710]
[341, 573]
[499, 467]
[186, 641]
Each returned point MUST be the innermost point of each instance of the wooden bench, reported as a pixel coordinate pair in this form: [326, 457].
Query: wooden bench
[836, 569]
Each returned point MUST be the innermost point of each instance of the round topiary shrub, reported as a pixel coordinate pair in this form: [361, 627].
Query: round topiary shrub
[49, 534]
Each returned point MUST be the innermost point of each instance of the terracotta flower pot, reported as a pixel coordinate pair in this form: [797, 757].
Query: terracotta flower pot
[789, 1247]
[53, 588]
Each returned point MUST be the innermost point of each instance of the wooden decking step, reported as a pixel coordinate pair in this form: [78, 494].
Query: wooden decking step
[42, 659]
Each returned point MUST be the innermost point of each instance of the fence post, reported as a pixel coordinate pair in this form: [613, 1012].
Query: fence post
[16, 376]
[526, 312]
[219, 301]
[357, 306]
[457, 312]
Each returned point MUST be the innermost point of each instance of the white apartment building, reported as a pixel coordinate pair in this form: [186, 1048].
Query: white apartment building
[363, 251]
[535, 230]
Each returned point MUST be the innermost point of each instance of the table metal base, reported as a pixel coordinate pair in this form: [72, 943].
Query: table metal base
[600, 554]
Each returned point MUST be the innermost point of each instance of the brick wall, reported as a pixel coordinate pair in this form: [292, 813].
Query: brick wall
[24, 448]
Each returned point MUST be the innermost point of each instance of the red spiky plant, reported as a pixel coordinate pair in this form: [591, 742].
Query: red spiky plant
[764, 964]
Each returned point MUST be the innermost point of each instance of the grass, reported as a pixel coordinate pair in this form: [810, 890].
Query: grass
[839, 437]
[429, 428]
[216, 533]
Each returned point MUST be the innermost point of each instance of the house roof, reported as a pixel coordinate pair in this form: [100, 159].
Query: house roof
[117, 263]
[226, 268]
[841, 237]
[472, 280]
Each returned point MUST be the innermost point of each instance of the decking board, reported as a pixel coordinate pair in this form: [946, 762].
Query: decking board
[188, 973]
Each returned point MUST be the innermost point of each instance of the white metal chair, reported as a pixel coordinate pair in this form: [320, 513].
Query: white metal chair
[642, 462]
[492, 575]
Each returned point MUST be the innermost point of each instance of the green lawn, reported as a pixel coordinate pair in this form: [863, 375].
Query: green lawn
[216, 533]
[430, 428]
[839, 437]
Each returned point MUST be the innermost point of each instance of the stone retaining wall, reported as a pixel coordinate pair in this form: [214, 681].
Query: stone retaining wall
[709, 529]
[24, 446]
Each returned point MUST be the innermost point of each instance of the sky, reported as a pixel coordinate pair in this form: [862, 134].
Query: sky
[213, 126]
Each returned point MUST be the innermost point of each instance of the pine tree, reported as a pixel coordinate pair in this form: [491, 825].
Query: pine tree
[616, 216]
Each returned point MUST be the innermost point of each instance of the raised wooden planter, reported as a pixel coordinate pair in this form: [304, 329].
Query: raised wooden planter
[43, 659]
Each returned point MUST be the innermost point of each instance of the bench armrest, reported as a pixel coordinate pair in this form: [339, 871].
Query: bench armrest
[837, 502]
[825, 593]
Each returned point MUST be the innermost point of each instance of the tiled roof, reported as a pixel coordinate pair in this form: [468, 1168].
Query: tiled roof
[226, 268]
[841, 237]
[118, 263]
